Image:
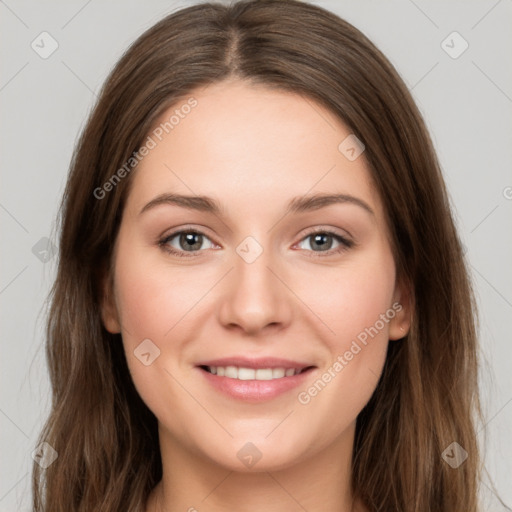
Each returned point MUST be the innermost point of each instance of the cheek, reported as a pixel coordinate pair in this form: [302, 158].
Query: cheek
[151, 297]
[151, 302]
[355, 304]
[351, 298]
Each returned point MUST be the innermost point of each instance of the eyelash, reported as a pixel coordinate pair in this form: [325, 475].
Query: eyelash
[345, 244]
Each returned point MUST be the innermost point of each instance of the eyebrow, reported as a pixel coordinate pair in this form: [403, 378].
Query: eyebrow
[296, 205]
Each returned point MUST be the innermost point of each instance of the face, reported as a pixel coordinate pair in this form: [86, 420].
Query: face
[262, 280]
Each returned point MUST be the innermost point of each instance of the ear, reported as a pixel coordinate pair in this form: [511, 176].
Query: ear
[402, 304]
[109, 312]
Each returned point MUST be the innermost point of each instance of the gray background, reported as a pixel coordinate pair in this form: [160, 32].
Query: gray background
[466, 101]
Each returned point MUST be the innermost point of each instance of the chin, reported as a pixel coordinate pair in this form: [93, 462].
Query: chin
[258, 455]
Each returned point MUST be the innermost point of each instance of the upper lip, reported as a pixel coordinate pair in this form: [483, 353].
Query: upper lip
[260, 362]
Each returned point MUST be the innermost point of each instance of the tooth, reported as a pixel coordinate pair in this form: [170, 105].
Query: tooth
[242, 373]
[231, 372]
[264, 374]
[277, 373]
[246, 373]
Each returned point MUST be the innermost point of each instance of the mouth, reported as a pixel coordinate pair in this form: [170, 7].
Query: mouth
[254, 380]
[245, 373]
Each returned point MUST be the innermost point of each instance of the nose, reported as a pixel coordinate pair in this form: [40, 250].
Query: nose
[256, 298]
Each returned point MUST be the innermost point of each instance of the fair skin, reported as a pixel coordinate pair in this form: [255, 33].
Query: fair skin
[252, 150]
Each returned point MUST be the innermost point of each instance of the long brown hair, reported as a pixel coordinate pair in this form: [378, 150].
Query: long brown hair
[427, 397]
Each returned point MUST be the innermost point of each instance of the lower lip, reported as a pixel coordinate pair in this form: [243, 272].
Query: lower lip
[255, 390]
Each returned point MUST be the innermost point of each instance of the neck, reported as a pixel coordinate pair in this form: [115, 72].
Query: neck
[194, 483]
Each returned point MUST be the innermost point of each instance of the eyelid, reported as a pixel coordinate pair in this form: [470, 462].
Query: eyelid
[329, 230]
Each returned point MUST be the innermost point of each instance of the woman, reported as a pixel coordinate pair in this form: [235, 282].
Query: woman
[261, 300]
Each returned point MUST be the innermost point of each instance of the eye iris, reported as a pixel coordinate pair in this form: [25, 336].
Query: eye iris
[188, 238]
[319, 240]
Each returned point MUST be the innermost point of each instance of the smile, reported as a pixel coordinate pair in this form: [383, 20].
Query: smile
[241, 373]
[254, 380]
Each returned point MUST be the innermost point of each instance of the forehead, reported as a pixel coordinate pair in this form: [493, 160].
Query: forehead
[251, 144]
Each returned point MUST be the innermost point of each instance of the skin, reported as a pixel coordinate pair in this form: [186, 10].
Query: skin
[253, 149]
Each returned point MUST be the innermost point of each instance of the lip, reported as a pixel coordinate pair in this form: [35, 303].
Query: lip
[260, 362]
[254, 391]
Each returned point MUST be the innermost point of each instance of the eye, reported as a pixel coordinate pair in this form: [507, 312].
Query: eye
[182, 242]
[189, 242]
[323, 240]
